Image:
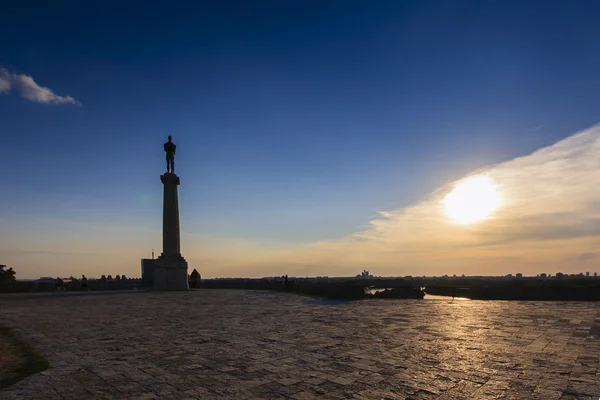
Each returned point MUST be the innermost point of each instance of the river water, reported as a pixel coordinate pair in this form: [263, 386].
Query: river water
[426, 297]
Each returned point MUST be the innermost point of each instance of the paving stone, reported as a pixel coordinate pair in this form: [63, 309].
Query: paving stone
[227, 344]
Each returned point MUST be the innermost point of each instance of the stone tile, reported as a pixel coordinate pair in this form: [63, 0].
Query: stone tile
[242, 345]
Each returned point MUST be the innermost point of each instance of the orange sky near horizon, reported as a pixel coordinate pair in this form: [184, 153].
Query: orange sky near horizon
[548, 221]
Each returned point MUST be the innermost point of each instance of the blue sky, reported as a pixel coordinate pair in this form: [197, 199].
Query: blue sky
[296, 121]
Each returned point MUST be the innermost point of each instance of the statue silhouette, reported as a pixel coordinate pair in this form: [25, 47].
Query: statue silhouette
[170, 149]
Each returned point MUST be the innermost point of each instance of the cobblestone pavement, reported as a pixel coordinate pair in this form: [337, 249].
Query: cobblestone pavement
[212, 344]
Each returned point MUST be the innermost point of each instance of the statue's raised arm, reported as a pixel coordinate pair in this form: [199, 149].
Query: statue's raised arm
[170, 149]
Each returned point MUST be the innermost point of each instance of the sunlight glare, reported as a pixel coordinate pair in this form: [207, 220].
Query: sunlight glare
[472, 200]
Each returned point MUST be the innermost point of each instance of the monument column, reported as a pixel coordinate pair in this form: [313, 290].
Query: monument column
[170, 269]
[170, 215]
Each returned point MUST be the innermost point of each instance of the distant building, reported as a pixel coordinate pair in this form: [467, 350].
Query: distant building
[148, 271]
[364, 275]
[519, 275]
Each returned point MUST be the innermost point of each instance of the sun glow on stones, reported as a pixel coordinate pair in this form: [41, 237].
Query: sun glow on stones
[472, 200]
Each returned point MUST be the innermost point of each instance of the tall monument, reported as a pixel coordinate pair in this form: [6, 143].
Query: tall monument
[170, 270]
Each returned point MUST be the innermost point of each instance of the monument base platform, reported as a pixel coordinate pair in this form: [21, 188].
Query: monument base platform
[170, 273]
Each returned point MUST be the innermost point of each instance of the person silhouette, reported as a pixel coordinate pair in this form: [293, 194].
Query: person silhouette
[170, 149]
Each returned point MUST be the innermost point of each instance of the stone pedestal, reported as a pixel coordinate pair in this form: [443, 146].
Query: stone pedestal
[170, 271]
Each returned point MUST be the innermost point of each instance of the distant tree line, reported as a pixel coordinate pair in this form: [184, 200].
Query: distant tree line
[516, 289]
[347, 289]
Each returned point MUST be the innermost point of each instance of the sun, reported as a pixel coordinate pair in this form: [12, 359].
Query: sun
[472, 200]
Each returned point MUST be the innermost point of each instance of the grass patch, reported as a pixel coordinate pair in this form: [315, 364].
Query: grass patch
[18, 359]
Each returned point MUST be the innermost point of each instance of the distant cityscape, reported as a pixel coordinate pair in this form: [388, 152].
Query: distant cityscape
[365, 274]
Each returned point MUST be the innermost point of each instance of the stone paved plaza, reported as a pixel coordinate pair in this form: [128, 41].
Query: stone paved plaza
[213, 344]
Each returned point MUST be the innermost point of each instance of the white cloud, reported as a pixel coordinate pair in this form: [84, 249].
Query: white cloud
[5, 81]
[548, 221]
[30, 90]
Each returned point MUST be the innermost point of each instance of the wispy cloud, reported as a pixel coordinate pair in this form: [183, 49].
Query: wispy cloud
[548, 220]
[30, 90]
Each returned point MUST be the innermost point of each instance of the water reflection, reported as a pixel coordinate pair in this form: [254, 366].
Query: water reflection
[376, 290]
[426, 297]
[436, 297]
